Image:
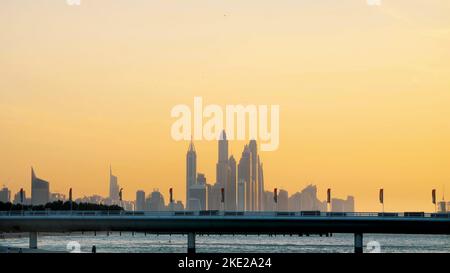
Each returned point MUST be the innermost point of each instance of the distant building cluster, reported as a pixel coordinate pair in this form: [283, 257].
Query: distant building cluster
[238, 186]
[306, 200]
[155, 202]
[40, 193]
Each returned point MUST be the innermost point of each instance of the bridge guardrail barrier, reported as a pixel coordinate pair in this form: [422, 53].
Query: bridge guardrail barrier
[227, 213]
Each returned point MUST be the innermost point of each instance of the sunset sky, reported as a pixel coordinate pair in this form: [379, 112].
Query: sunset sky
[364, 93]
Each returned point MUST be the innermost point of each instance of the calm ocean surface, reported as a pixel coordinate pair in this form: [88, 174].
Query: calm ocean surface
[226, 243]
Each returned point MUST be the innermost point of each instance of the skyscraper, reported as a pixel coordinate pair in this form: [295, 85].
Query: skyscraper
[140, 200]
[307, 200]
[113, 188]
[191, 171]
[230, 187]
[256, 198]
[40, 190]
[343, 205]
[283, 197]
[260, 185]
[18, 198]
[222, 163]
[201, 179]
[244, 176]
[223, 147]
[155, 202]
[241, 195]
[5, 195]
[214, 196]
[225, 177]
[197, 194]
[197, 197]
[269, 203]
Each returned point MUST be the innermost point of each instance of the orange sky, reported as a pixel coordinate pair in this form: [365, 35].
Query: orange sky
[364, 92]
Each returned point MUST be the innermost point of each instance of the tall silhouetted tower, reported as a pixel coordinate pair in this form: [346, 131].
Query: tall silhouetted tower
[230, 188]
[113, 188]
[222, 163]
[140, 200]
[191, 170]
[255, 187]
[40, 190]
[261, 185]
[244, 176]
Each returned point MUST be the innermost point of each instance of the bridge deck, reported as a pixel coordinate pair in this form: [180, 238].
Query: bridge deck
[213, 222]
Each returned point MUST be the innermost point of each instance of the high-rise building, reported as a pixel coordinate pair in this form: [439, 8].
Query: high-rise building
[155, 202]
[197, 197]
[17, 199]
[140, 200]
[5, 195]
[256, 199]
[343, 205]
[241, 195]
[178, 206]
[309, 200]
[198, 194]
[214, 197]
[222, 163]
[40, 190]
[191, 171]
[350, 206]
[244, 175]
[261, 185]
[269, 203]
[225, 178]
[201, 179]
[114, 188]
[230, 187]
[295, 202]
[223, 147]
[282, 202]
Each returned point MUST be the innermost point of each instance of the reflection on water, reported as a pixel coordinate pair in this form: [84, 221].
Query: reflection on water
[139, 242]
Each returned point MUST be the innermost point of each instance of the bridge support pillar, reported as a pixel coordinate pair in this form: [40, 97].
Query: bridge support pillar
[33, 240]
[358, 243]
[191, 243]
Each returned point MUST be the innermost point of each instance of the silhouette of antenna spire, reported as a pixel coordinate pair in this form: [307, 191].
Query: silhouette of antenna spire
[191, 145]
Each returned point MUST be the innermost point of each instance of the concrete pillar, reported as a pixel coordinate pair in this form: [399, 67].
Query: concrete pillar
[191, 243]
[33, 240]
[358, 243]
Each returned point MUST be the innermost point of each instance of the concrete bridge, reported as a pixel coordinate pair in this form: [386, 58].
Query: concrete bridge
[224, 222]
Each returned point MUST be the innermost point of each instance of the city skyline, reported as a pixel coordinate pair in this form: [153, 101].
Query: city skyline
[237, 187]
[362, 90]
[243, 173]
[224, 194]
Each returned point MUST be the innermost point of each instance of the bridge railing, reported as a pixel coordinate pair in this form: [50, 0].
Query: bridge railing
[226, 213]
